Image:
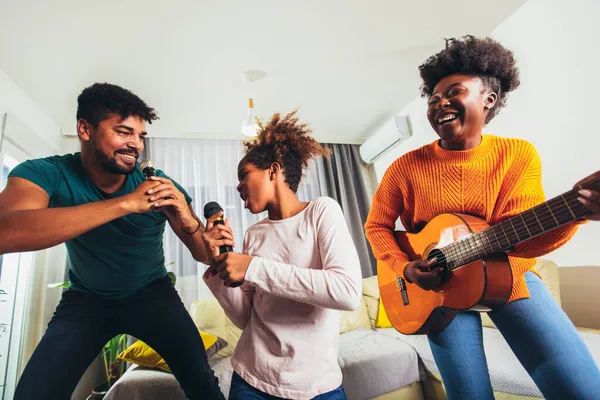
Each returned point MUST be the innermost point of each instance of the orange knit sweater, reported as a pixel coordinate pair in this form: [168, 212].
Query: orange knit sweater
[496, 180]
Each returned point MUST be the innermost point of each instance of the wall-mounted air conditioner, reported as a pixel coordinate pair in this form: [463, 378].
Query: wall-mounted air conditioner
[69, 133]
[389, 135]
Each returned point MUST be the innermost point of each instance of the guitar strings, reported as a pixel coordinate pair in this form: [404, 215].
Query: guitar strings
[462, 249]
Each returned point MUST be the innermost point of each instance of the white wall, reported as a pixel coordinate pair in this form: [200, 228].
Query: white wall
[21, 136]
[556, 107]
[71, 144]
[28, 127]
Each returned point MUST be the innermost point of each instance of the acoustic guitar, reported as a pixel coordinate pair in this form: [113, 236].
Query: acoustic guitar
[472, 255]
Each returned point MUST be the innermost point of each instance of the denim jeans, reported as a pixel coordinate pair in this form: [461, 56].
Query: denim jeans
[83, 323]
[538, 332]
[241, 390]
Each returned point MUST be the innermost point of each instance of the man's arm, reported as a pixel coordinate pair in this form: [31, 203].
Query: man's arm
[27, 224]
[190, 233]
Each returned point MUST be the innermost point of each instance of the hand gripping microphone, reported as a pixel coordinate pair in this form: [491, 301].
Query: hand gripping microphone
[211, 209]
[148, 167]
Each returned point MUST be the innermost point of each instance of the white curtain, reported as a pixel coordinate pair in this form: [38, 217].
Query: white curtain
[48, 266]
[207, 170]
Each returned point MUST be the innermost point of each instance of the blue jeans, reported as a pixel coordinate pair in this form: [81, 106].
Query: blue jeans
[241, 390]
[538, 332]
[83, 323]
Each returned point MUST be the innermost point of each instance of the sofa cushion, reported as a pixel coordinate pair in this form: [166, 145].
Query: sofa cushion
[209, 316]
[506, 372]
[549, 272]
[377, 315]
[370, 289]
[358, 318]
[374, 364]
[139, 383]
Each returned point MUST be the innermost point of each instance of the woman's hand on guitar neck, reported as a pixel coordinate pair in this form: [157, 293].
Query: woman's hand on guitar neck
[590, 198]
[420, 273]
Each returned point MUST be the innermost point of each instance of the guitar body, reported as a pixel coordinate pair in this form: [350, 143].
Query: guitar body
[486, 282]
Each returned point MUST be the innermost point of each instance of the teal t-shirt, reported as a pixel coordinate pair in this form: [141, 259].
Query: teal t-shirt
[115, 259]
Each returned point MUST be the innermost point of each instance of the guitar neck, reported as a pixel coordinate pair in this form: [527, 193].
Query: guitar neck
[540, 219]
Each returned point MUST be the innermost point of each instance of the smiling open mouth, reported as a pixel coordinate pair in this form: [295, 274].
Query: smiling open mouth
[446, 118]
[128, 158]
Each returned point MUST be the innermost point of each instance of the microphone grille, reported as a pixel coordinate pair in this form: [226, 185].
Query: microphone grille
[211, 208]
[147, 164]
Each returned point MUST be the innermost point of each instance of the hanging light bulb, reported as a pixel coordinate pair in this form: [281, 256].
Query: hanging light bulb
[249, 125]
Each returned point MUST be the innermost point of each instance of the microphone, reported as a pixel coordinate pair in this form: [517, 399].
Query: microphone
[148, 167]
[210, 209]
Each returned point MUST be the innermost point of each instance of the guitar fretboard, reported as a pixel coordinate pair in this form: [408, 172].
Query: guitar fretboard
[540, 219]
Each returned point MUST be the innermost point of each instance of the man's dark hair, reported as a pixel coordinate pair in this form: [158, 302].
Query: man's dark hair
[97, 102]
[485, 58]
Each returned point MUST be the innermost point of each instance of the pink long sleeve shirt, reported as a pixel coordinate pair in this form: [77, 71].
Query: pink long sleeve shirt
[305, 270]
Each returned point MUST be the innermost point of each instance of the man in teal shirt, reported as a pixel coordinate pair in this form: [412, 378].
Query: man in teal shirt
[112, 219]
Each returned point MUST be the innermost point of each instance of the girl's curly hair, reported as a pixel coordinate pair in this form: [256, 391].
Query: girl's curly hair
[287, 141]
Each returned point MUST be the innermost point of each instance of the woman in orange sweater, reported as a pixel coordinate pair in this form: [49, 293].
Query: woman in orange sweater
[492, 178]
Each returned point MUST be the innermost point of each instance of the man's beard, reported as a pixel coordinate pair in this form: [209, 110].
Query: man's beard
[110, 164]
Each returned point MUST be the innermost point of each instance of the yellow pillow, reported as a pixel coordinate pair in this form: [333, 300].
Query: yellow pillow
[371, 296]
[382, 320]
[358, 318]
[209, 316]
[143, 355]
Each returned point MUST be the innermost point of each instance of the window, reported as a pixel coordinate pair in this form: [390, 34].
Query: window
[8, 163]
[13, 279]
[5, 172]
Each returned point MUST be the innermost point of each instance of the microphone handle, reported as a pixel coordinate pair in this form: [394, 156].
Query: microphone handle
[226, 249]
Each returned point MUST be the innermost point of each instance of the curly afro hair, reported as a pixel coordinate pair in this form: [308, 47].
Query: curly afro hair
[97, 102]
[485, 58]
[286, 141]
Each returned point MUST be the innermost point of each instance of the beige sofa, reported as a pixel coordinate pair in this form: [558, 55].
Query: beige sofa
[376, 363]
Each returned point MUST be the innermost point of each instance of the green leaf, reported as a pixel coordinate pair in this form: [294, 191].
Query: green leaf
[65, 285]
[173, 277]
[110, 354]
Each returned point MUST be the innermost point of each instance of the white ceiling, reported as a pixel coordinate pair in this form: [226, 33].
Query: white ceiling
[349, 65]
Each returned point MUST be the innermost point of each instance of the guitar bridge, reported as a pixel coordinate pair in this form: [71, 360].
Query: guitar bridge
[401, 283]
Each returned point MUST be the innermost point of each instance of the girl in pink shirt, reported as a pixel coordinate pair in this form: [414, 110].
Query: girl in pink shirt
[298, 270]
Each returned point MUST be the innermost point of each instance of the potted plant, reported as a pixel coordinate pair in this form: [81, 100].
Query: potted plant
[113, 366]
